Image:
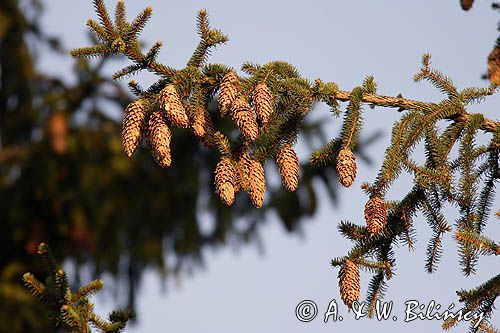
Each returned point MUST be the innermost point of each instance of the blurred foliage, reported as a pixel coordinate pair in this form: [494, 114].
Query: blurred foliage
[64, 180]
[71, 310]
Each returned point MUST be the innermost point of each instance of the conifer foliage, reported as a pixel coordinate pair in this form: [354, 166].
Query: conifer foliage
[267, 107]
[71, 310]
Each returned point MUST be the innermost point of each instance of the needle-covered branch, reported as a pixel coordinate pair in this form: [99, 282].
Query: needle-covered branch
[71, 310]
[265, 109]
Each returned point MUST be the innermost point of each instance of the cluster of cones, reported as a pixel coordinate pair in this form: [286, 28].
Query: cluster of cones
[154, 126]
[231, 175]
[375, 214]
[243, 172]
[349, 281]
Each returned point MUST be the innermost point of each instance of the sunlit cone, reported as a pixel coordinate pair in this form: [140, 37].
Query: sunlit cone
[263, 102]
[494, 66]
[228, 92]
[288, 165]
[257, 184]
[172, 104]
[346, 167]
[244, 119]
[203, 128]
[375, 215]
[349, 283]
[244, 161]
[159, 137]
[466, 4]
[133, 126]
[202, 124]
[225, 180]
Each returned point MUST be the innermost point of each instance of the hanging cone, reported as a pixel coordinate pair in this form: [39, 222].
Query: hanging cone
[257, 184]
[466, 4]
[346, 167]
[244, 161]
[203, 128]
[228, 91]
[133, 126]
[288, 164]
[159, 137]
[494, 66]
[375, 215]
[244, 119]
[349, 283]
[58, 132]
[202, 124]
[172, 104]
[263, 103]
[225, 180]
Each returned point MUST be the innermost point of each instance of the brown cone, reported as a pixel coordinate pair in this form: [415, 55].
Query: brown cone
[172, 104]
[228, 92]
[159, 137]
[346, 167]
[466, 4]
[224, 180]
[375, 215]
[494, 66]
[263, 102]
[349, 283]
[58, 132]
[244, 161]
[203, 128]
[202, 124]
[257, 184]
[288, 164]
[244, 119]
[133, 126]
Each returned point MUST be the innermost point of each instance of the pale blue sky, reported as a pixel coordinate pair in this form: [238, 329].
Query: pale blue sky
[342, 41]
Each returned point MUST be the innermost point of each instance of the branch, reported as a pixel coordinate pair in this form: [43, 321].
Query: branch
[408, 104]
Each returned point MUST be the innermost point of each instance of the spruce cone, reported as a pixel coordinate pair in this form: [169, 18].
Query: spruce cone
[159, 137]
[244, 161]
[225, 180]
[263, 102]
[288, 164]
[257, 184]
[58, 132]
[133, 126]
[203, 128]
[349, 283]
[466, 4]
[244, 119]
[228, 92]
[375, 215]
[494, 66]
[202, 124]
[172, 104]
[346, 167]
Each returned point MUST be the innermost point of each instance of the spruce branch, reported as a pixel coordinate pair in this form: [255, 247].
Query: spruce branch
[102, 12]
[482, 244]
[138, 24]
[288, 98]
[71, 310]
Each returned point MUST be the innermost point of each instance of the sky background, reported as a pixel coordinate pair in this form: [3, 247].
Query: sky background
[249, 290]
